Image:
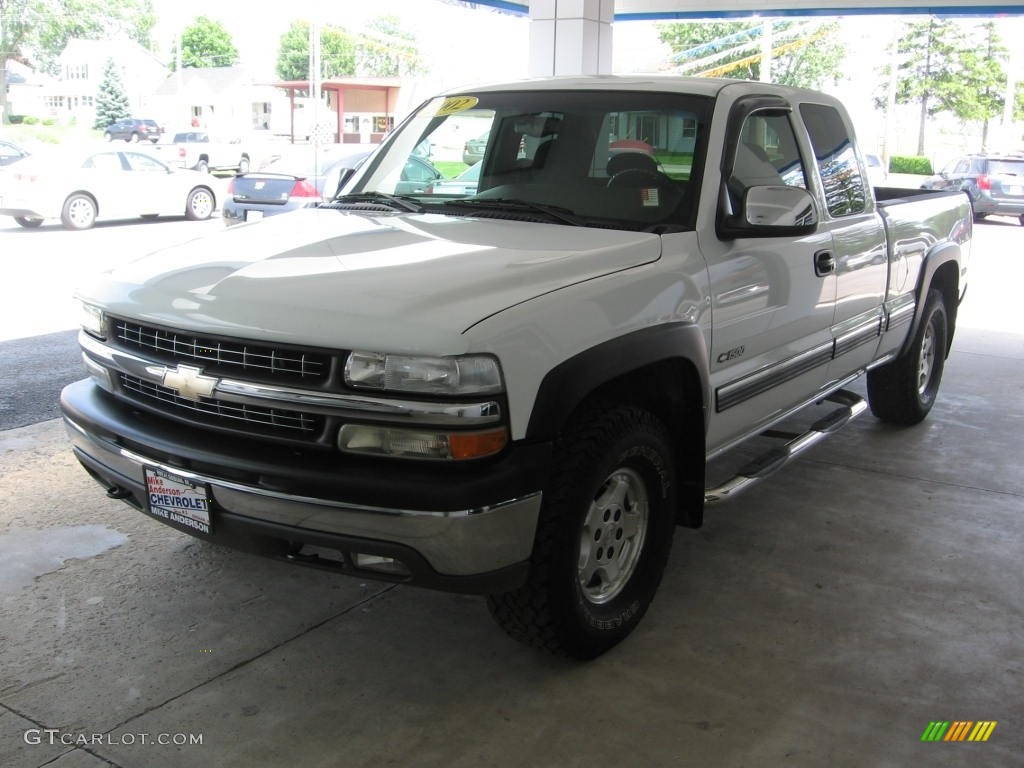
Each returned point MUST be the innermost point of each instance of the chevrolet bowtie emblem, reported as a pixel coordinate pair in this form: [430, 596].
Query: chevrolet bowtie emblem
[189, 382]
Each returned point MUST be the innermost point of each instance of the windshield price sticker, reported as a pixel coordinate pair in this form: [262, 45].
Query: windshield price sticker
[455, 104]
[178, 500]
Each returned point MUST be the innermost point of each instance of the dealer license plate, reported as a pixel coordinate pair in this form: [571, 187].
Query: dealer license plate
[178, 500]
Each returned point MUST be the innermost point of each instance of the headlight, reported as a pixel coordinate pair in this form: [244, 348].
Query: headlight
[465, 375]
[93, 320]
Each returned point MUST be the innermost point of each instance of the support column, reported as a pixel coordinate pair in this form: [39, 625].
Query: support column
[571, 37]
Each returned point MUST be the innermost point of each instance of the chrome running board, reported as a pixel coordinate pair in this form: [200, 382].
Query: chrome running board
[850, 407]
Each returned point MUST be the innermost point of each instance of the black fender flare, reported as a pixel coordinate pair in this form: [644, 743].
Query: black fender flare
[604, 368]
[934, 260]
[569, 383]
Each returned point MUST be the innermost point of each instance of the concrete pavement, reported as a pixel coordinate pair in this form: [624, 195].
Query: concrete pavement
[823, 619]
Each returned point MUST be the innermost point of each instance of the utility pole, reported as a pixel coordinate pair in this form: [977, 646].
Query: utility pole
[314, 79]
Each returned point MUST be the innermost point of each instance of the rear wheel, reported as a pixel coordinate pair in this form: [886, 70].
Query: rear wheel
[202, 166]
[79, 212]
[243, 166]
[603, 537]
[134, 138]
[904, 391]
[200, 204]
[1021, 217]
[28, 222]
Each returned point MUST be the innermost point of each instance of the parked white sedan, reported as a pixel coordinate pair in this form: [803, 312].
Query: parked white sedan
[79, 186]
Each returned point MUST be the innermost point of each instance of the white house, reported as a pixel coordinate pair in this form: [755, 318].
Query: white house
[82, 64]
[227, 100]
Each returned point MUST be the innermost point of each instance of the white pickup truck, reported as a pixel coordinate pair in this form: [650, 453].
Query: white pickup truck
[198, 150]
[516, 390]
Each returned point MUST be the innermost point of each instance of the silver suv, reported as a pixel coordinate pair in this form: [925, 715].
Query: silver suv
[994, 183]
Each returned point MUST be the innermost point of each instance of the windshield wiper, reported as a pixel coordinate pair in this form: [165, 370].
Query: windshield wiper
[556, 212]
[399, 202]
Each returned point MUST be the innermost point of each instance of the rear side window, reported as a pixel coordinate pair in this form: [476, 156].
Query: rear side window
[844, 188]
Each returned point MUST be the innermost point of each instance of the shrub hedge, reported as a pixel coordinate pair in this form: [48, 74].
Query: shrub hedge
[910, 164]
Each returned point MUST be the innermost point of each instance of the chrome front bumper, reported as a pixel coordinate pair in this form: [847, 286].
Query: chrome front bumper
[481, 549]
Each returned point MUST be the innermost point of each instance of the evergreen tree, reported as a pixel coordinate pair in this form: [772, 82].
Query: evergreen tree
[112, 102]
[929, 72]
[979, 94]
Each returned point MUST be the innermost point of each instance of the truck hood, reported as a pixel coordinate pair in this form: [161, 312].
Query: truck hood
[403, 283]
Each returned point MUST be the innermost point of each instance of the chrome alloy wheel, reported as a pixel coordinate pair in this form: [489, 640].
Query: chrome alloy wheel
[613, 535]
[926, 359]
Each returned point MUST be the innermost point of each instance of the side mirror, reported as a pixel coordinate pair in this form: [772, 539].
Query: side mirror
[773, 211]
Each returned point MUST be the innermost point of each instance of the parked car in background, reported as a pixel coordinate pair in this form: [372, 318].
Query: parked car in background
[200, 151]
[79, 186]
[10, 152]
[133, 129]
[473, 150]
[993, 182]
[297, 178]
[286, 185]
[463, 184]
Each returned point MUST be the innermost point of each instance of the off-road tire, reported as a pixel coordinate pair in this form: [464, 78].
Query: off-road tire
[903, 391]
[612, 486]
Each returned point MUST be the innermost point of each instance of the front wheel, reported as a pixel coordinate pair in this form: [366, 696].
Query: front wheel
[200, 204]
[903, 391]
[108, 136]
[79, 212]
[603, 537]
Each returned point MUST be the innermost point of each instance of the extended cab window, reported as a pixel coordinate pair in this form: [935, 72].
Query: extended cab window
[844, 187]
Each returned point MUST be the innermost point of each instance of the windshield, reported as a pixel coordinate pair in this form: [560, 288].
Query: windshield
[593, 158]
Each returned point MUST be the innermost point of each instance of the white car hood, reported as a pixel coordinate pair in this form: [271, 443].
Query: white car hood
[402, 283]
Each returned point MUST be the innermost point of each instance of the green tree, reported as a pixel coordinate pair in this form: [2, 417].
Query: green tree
[929, 70]
[386, 50]
[803, 55]
[979, 93]
[337, 52]
[112, 103]
[205, 43]
[64, 20]
[35, 32]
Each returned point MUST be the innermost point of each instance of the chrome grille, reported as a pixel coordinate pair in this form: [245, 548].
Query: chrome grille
[225, 356]
[265, 421]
